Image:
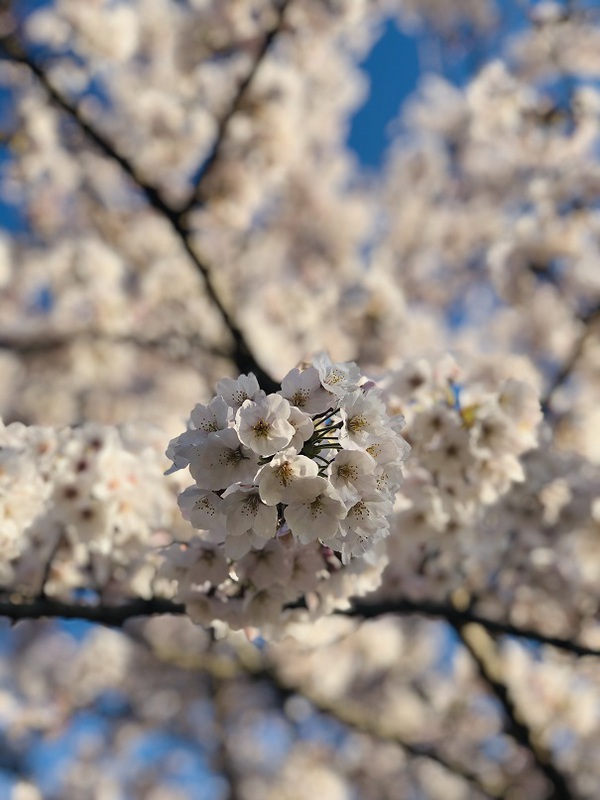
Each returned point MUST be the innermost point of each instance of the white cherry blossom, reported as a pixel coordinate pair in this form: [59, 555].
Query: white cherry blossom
[340, 378]
[277, 479]
[210, 418]
[224, 460]
[363, 415]
[303, 389]
[245, 511]
[351, 472]
[204, 509]
[303, 425]
[235, 391]
[314, 510]
[263, 426]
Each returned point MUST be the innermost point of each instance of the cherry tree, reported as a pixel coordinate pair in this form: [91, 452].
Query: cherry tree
[312, 456]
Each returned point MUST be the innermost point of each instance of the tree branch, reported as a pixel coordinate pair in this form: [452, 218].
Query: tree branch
[112, 616]
[214, 155]
[253, 666]
[483, 652]
[454, 616]
[241, 354]
[176, 346]
[117, 615]
[562, 376]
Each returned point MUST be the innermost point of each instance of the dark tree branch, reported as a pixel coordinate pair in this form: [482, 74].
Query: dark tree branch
[215, 153]
[454, 616]
[176, 346]
[353, 716]
[483, 652]
[117, 615]
[588, 321]
[241, 354]
[112, 616]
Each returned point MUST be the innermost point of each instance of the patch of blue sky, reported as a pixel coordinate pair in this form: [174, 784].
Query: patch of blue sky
[321, 729]
[182, 764]
[399, 59]
[272, 736]
[392, 70]
[448, 646]
[77, 628]
[8, 783]
[47, 759]
[41, 301]
[12, 217]
[6, 640]
[496, 747]
[112, 704]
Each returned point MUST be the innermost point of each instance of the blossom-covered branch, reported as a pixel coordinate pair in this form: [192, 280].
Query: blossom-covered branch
[213, 157]
[241, 355]
[481, 648]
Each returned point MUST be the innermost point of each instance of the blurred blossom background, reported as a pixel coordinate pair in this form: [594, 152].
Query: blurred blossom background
[194, 189]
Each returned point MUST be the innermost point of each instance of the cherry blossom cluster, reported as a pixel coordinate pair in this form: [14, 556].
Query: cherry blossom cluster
[468, 434]
[290, 487]
[81, 507]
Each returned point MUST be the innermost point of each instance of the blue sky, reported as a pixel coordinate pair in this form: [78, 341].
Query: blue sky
[392, 68]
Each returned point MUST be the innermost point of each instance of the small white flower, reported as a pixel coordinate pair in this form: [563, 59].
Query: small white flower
[363, 415]
[210, 418]
[245, 511]
[263, 426]
[368, 515]
[210, 567]
[235, 391]
[276, 479]
[389, 453]
[315, 510]
[339, 378]
[201, 508]
[351, 473]
[266, 567]
[304, 390]
[237, 546]
[303, 425]
[390, 448]
[184, 449]
[223, 460]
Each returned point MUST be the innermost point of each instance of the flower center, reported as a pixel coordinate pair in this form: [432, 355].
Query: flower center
[357, 423]
[334, 377]
[359, 510]
[234, 456]
[285, 473]
[261, 429]
[316, 507]
[251, 505]
[300, 398]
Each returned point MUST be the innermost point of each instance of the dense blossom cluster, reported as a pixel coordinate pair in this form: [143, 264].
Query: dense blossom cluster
[468, 437]
[81, 508]
[289, 486]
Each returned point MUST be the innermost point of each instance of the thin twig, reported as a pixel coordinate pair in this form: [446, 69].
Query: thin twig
[215, 153]
[588, 320]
